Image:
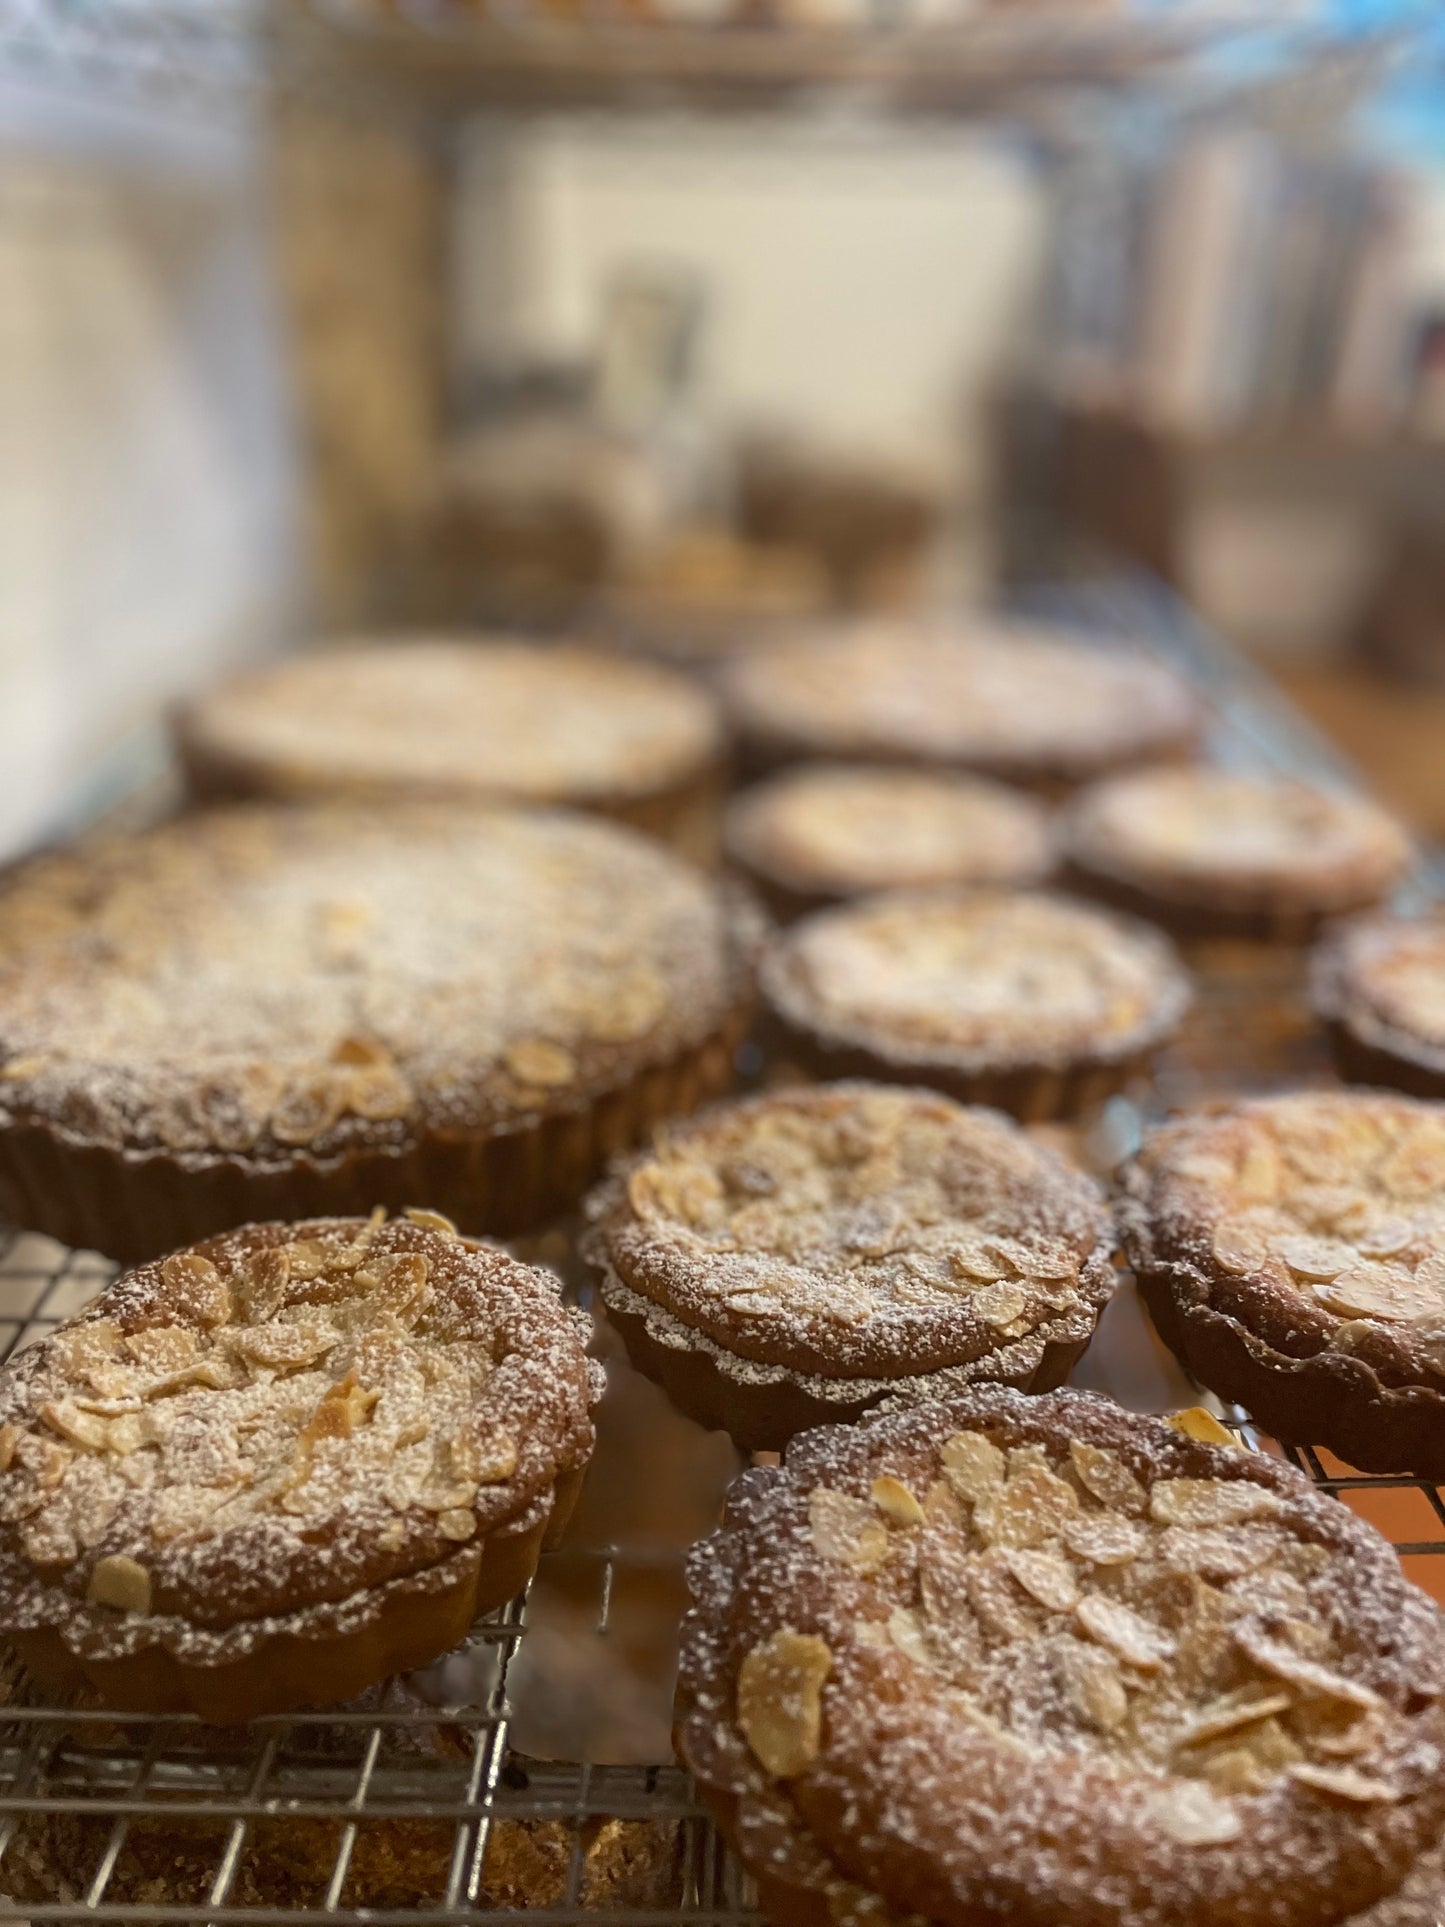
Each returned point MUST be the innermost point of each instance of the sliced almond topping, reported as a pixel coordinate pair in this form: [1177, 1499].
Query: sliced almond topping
[120, 1581]
[994, 1595]
[1104, 1539]
[1032, 1509]
[1045, 1576]
[910, 1636]
[128, 1433]
[847, 1529]
[973, 1465]
[1240, 1248]
[1000, 1304]
[894, 1500]
[84, 1429]
[309, 1258]
[48, 1541]
[971, 1258]
[431, 1221]
[1192, 1815]
[1316, 1258]
[1196, 1422]
[9, 1439]
[1217, 1554]
[260, 1292]
[199, 1286]
[343, 1408]
[1105, 1476]
[1345, 1783]
[1210, 1502]
[536, 1061]
[457, 1522]
[164, 1349]
[1230, 1715]
[780, 1701]
[1277, 1656]
[1093, 1686]
[397, 1284]
[1124, 1632]
[1388, 1292]
[284, 1348]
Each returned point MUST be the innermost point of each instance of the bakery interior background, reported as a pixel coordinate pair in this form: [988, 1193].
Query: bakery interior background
[283, 357]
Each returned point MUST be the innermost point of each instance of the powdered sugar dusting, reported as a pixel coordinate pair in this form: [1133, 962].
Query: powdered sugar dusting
[257, 979]
[1011, 1724]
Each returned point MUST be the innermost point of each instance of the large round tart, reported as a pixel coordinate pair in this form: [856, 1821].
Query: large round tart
[804, 1255]
[1292, 1252]
[271, 1470]
[1027, 1001]
[1038, 1661]
[272, 1012]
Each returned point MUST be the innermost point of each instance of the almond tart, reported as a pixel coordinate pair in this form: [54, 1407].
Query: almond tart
[276, 1468]
[1292, 1254]
[1035, 706]
[803, 1255]
[463, 718]
[821, 833]
[269, 1012]
[1379, 984]
[1039, 1661]
[1027, 1001]
[1218, 853]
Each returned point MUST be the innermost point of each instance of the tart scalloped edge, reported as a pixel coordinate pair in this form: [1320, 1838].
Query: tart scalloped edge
[801, 1882]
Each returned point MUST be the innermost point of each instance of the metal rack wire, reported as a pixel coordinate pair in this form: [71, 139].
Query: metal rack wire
[429, 1801]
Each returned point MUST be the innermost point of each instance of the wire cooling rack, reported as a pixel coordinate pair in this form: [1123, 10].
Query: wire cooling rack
[527, 1776]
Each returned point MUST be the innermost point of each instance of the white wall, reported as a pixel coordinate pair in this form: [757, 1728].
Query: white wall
[865, 283]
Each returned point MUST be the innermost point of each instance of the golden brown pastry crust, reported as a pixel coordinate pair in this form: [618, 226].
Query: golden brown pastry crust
[1292, 1253]
[273, 1469]
[1376, 982]
[1218, 853]
[821, 833]
[1039, 1660]
[1027, 1001]
[1033, 706]
[465, 719]
[266, 1011]
[811, 1253]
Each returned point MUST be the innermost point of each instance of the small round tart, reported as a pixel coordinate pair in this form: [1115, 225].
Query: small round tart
[1292, 1252]
[1379, 984]
[1036, 706]
[464, 718]
[1042, 1661]
[1027, 1001]
[279, 1012]
[272, 1470]
[813, 835]
[1222, 853]
[805, 1254]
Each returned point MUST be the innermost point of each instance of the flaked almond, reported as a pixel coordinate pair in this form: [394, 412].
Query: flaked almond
[1216, 1553]
[847, 1529]
[999, 1305]
[163, 1349]
[1240, 1248]
[976, 1259]
[378, 1093]
[1104, 1475]
[1093, 1686]
[780, 1701]
[457, 1522]
[1191, 1814]
[1044, 1576]
[1345, 1783]
[397, 1284]
[1032, 1509]
[260, 1291]
[897, 1504]
[310, 1107]
[973, 1465]
[129, 1432]
[1104, 1538]
[1210, 1502]
[1316, 1259]
[198, 1285]
[341, 1411]
[535, 1060]
[1387, 1292]
[997, 1599]
[120, 1581]
[909, 1634]
[284, 1348]
[9, 1439]
[1197, 1422]
[1277, 1657]
[1230, 1715]
[1126, 1633]
[83, 1429]
[431, 1221]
